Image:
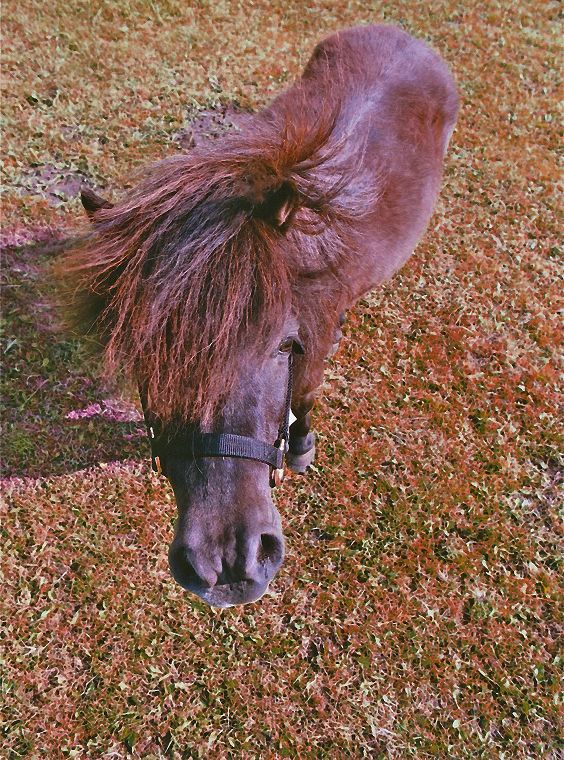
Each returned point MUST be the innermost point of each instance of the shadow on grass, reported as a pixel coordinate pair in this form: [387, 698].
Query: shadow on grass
[57, 414]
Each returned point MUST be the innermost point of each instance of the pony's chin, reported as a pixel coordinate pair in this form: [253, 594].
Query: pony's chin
[232, 594]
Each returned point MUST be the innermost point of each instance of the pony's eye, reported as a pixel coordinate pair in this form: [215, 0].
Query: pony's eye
[291, 344]
[286, 346]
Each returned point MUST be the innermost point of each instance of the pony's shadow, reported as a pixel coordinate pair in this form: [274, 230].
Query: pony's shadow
[58, 416]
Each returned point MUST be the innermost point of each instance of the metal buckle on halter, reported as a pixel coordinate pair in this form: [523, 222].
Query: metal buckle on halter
[156, 460]
[277, 473]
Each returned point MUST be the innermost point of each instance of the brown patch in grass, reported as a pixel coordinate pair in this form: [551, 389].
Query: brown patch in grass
[55, 184]
[208, 124]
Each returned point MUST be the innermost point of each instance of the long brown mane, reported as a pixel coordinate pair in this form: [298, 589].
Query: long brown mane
[179, 278]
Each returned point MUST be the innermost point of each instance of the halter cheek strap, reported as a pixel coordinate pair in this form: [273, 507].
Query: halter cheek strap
[198, 445]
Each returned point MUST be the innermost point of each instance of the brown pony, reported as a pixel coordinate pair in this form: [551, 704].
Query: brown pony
[219, 283]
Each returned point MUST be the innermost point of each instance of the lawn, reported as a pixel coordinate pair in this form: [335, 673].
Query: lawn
[419, 611]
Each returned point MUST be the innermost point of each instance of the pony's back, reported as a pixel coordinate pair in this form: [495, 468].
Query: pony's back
[385, 75]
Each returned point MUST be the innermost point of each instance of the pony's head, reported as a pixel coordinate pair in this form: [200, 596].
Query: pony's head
[189, 285]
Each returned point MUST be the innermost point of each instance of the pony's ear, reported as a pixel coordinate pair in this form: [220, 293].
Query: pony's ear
[93, 202]
[279, 205]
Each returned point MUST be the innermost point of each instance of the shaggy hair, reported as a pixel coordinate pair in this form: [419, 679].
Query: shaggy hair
[194, 271]
[193, 268]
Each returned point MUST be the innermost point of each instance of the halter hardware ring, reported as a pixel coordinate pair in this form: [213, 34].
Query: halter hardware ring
[277, 473]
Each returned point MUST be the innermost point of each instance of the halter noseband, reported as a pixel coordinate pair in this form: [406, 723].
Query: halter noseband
[198, 445]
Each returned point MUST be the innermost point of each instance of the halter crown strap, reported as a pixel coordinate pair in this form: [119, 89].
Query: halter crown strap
[284, 430]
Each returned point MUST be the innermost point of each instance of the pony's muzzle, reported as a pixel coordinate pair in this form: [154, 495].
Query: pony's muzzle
[224, 583]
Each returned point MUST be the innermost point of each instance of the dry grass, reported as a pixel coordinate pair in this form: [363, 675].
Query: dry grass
[419, 611]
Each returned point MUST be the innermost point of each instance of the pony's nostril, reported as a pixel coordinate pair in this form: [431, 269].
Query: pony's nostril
[270, 549]
[187, 574]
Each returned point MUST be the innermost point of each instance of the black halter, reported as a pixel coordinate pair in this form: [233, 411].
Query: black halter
[198, 445]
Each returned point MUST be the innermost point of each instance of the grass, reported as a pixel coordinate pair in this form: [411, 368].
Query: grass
[419, 611]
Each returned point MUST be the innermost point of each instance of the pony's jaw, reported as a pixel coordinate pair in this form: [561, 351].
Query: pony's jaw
[245, 593]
